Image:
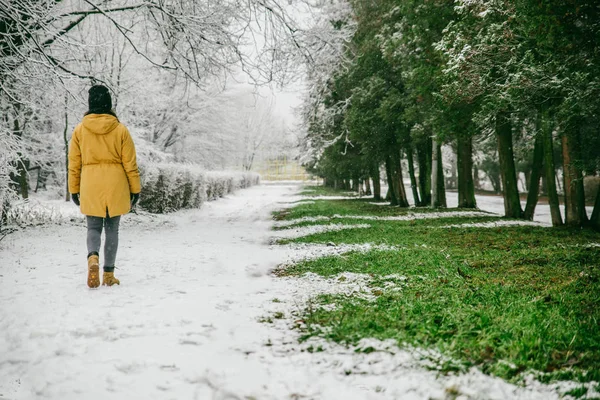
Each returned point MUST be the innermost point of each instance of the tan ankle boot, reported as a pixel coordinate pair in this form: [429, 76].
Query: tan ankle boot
[108, 279]
[93, 279]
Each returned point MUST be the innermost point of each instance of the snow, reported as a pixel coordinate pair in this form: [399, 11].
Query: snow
[407, 217]
[495, 204]
[314, 229]
[184, 324]
[296, 252]
[495, 224]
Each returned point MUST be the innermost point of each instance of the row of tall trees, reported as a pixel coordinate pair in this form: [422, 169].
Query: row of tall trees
[520, 74]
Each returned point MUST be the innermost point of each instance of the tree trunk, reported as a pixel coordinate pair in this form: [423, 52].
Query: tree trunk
[356, 185]
[512, 202]
[572, 213]
[453, 181]
[464, 161]
[424, 160]
[376, 182]
[441, 182]
[536, 174]
[527, 174]
[581, 197]
[66, 141]
[544, 188]
[550, 174]
[476, 183]
[368, 187]
[595, 219]
[391, 184]
[580, 190]
[20, 179]
[434, 175]
[401, 191]
[411, 172]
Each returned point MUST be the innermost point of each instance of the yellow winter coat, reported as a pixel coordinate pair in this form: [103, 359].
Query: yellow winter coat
[102, 166]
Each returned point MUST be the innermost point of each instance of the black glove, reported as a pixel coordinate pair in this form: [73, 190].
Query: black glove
[134, 197]
[75, 198]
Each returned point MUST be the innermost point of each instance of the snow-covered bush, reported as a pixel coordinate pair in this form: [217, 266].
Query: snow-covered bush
[168, 187]
[220, 183]
[33, 212]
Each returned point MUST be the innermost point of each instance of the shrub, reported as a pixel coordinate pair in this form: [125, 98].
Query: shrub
[168, 187]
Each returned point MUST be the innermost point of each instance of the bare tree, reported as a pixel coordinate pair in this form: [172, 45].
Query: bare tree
[60, 45]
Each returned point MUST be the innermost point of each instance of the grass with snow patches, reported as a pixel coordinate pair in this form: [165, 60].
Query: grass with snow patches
[330, 208]
[326, 191]
[509, 300]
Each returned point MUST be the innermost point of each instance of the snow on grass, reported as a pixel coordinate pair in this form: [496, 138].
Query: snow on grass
[347, 283]
[380, 369]
[295, 233]
[496, 224]
[407, 217]
[300, 220]
[592, 245]
[296, 252]
[324, 197]
[299, 202]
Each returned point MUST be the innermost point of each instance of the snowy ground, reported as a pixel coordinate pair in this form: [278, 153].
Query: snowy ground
[184, 322]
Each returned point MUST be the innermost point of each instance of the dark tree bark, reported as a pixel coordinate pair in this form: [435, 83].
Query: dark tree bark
[391, 184]
[66, 141]
[571, 173]
[527, 174]
[376, 182]
[441, 184]
[550, 175]
[368, 187]
[411, 172]
[464, 161]
[536, 174]
[20, 178]
[400, 190]
[595, 219]
[581, 197]
[496, 182]
[508, 173]
[424, 161]
[579, 187]
[434, 176]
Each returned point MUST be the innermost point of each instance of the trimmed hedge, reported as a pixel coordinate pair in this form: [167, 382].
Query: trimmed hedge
[168, 187]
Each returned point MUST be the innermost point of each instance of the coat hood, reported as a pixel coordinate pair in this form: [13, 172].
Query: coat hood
[100, 124]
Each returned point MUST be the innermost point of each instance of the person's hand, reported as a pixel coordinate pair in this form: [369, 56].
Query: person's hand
[75, 198]
[134, 197]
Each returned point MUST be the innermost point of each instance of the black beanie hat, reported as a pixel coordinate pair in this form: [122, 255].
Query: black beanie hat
[99, 100]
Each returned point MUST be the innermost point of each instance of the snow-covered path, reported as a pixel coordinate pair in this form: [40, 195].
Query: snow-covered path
[184, 322]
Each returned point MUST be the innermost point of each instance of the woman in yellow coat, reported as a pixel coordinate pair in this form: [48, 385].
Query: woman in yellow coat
[103, 180]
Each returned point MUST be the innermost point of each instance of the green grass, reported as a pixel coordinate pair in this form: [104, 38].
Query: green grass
[349, 207]
[506, 300]
[325, 191]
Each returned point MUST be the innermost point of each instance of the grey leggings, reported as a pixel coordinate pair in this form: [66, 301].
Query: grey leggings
[94, 237]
